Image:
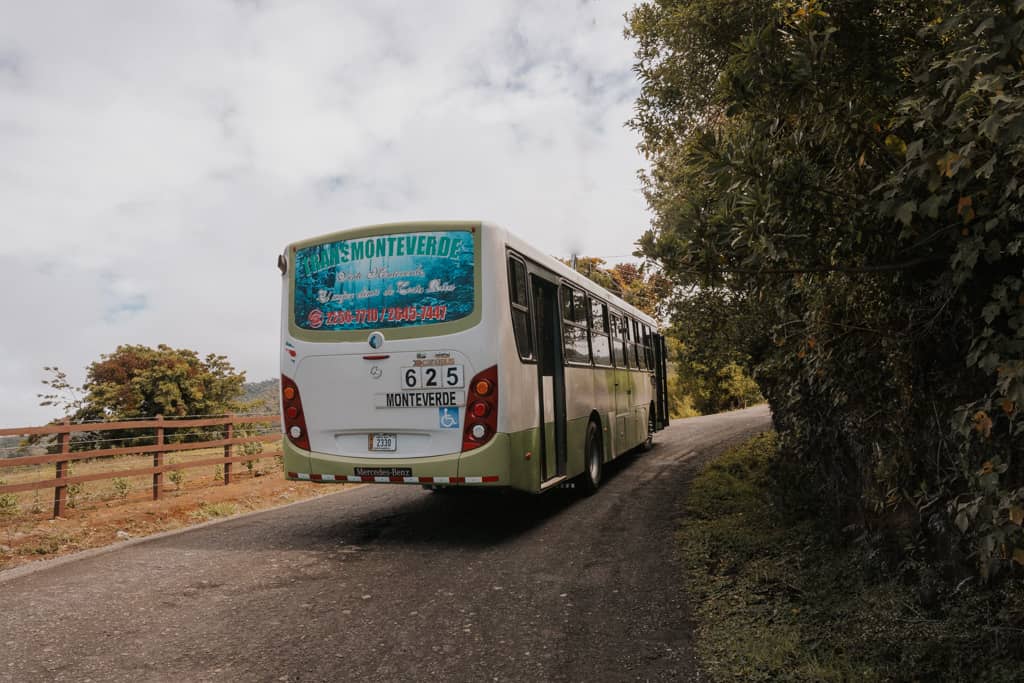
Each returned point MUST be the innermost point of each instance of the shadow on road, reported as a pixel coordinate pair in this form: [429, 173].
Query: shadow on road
[457, 517]
[388, 516]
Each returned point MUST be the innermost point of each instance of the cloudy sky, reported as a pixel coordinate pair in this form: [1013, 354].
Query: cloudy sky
[155, 157]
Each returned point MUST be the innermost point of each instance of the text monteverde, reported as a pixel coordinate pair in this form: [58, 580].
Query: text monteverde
[329, 255]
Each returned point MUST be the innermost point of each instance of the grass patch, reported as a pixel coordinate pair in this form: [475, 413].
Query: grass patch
[775, 600]
[214, 510]
[49, 544]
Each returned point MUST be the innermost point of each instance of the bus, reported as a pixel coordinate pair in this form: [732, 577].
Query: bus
[452, 354]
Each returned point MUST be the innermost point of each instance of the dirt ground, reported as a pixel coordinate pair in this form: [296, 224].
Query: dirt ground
[30, 537]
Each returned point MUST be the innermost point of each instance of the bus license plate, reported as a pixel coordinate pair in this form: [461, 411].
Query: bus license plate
[383, 442]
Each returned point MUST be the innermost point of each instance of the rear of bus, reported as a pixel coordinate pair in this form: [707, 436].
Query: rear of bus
[389, 357]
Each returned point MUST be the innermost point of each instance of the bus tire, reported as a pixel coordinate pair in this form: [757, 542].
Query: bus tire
[593, 459]
[649, 441]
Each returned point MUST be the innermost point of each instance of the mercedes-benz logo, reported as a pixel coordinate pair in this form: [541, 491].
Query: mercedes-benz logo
[376, 372]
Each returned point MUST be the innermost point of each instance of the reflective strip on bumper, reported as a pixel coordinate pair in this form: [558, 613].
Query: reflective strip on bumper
[302, 476]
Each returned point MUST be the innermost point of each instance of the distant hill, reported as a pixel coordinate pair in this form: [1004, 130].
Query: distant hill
[262, 397]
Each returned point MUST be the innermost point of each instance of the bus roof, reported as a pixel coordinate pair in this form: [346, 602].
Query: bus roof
[564, 271]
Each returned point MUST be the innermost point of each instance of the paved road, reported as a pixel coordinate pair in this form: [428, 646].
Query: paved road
[388, 583]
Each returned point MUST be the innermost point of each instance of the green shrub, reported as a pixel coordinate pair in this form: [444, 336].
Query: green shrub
[122, 487]
[9, 505]
[177, 477]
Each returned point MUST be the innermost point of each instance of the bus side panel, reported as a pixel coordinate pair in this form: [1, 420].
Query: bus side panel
[576, 439]
[638, 408]
[579, 401]
[518, 403]
[524, 460]
[604, 404]
[642, 394]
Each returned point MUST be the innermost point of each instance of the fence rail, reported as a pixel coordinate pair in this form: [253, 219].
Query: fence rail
[62, 460]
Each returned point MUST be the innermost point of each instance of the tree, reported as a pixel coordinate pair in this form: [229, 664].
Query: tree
[138, 381]
[638, 285]
[715, 333]
[852, 167]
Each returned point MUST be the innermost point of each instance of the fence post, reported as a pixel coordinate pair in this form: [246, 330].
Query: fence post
[158, 459]
[60, 492]
[229, 449]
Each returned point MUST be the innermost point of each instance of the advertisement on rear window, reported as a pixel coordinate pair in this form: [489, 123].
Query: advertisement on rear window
[385, 281]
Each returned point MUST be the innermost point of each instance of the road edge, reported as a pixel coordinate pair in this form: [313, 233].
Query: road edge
[13, 573]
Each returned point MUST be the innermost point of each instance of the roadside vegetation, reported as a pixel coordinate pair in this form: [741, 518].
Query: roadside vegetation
[781, 595]
[837, 199]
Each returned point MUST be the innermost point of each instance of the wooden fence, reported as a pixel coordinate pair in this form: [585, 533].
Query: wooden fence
[64, 455]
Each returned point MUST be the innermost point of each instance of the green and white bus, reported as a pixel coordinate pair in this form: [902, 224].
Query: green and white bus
[454, 354]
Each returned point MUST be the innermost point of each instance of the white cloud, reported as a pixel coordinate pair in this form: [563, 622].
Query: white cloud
[157, 156]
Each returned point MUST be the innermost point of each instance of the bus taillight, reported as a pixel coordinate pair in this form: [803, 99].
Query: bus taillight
[294, 420]
[482, 411]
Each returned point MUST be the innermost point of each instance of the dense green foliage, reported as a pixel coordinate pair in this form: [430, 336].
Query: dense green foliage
[712, 369]
[777, 601]
[845, 178]
[138, 381]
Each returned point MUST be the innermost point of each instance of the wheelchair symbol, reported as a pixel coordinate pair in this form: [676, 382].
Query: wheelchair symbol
[449, 418]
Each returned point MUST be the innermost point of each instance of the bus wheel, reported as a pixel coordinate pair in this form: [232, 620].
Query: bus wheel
[649, 442]
[593, 459]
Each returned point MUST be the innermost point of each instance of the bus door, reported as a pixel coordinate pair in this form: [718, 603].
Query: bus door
[550, 376]
[660, 382]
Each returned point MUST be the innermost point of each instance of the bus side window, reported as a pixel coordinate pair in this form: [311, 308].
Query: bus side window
[611, 337]
[631, 347]
[599, 343]
[631, 342]
[518, 295]
[638, 349]
[648, 349]
[622, 349]
[574, 328]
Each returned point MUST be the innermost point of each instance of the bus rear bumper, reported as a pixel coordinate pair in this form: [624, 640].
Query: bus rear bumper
[484, 466]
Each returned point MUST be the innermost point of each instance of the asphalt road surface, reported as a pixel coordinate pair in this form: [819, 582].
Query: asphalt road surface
[385, 583]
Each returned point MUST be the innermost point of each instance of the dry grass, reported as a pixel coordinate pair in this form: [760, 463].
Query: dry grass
[103, 517]
[139, 487]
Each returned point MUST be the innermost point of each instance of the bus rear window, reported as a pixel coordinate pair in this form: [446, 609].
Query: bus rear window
[385, 281]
